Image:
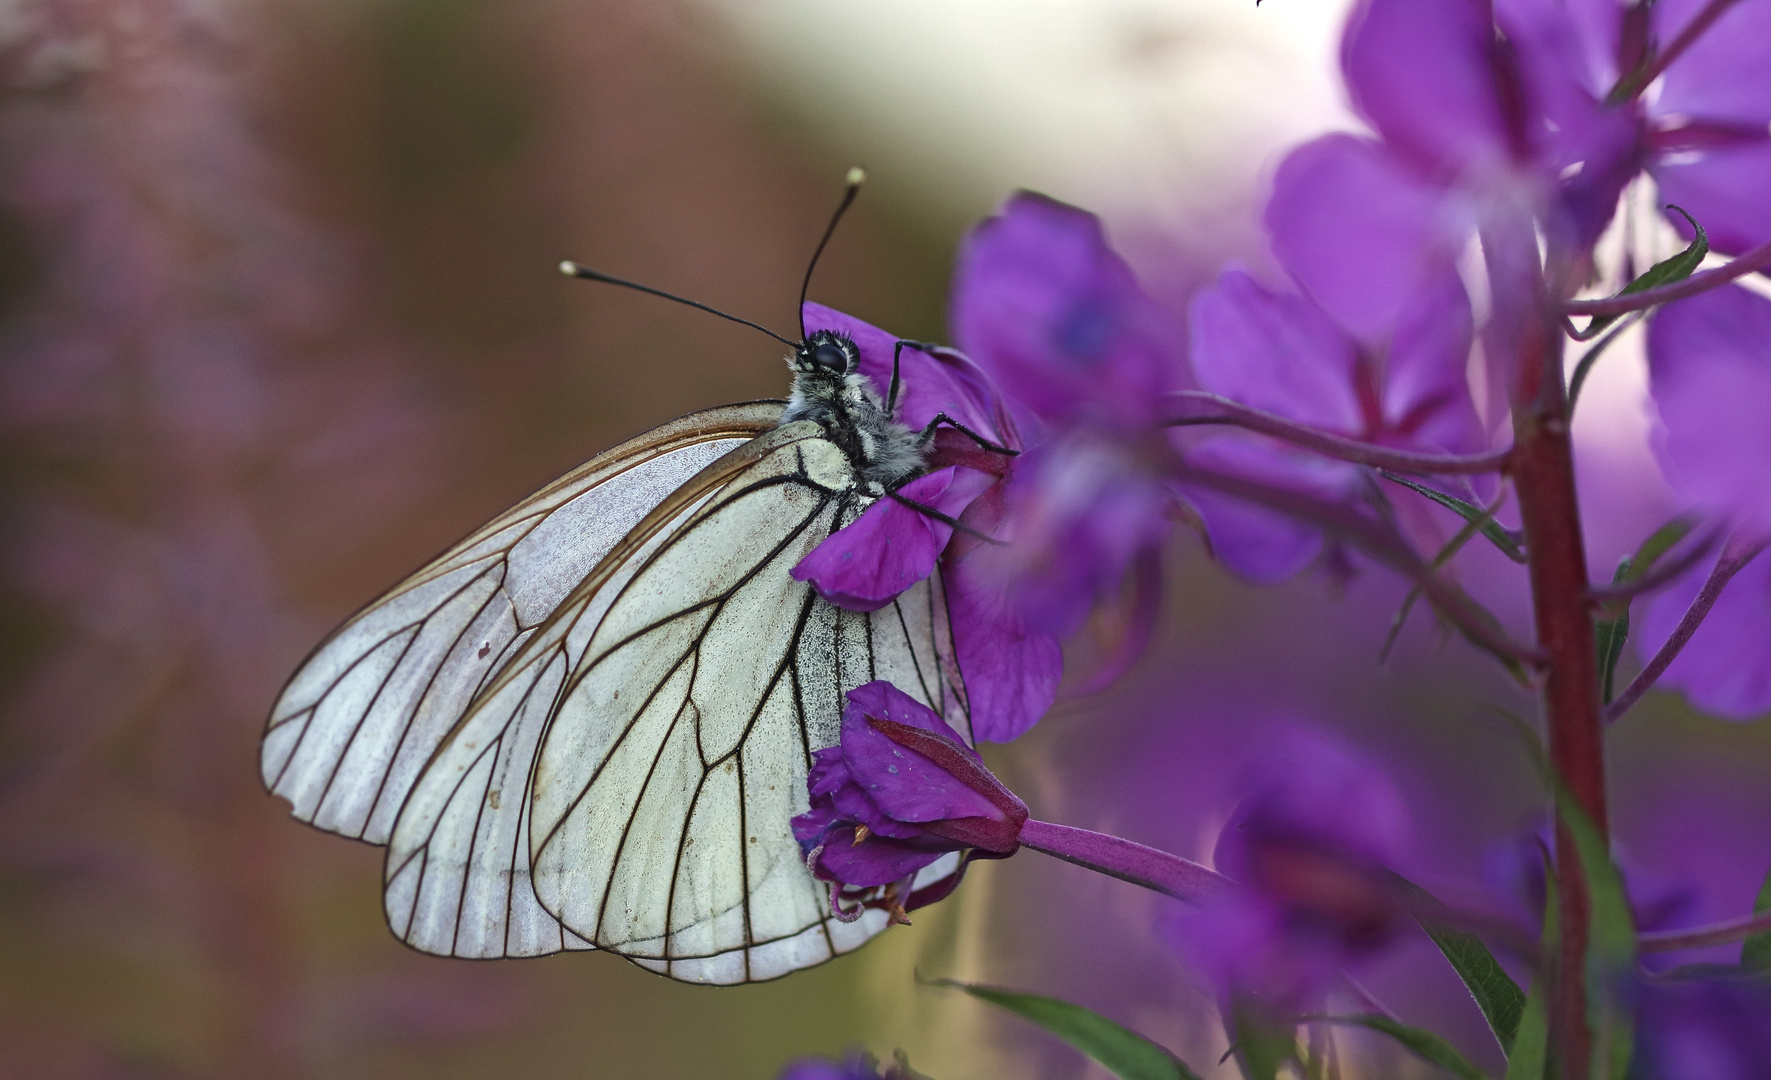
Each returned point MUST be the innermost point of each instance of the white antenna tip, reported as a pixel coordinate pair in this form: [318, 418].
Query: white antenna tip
[857, 176]
[569, 268]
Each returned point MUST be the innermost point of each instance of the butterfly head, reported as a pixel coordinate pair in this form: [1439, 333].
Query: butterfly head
[826, 352]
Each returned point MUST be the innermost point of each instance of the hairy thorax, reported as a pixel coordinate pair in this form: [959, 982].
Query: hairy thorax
[839, 398]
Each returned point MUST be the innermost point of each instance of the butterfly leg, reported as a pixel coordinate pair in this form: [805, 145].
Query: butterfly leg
[897, 351]
[928, 433]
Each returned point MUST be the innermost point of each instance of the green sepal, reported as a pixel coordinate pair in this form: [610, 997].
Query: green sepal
[1427, 1046]
[1755, 951]
[1496, 994]
[1612, 628]
[1498, 535]
[1661, 273]
[1120, 1050]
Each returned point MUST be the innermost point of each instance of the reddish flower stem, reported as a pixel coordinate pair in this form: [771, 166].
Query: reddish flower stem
[1701, 936]
[1542, 468]
[1736, 553]
[1195, 407]
[1740, 266]
[1180, 878]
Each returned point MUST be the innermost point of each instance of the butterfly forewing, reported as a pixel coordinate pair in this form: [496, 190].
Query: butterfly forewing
[363, 715]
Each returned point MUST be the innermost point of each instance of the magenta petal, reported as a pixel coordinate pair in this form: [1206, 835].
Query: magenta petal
[1011, 669]
[1722, 77]
[928, 383]
[1710, 367]
[906, 785]
[1423, 72]
[1274, 352]
[1055, 316]
[1725, 668]
[890, 547]
[878, 860]
[1343, 202]
[1426, 381]
[1262, 545]
[1723, 187]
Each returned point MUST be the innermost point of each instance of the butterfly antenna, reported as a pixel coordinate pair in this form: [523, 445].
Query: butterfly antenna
[572, 269]
[854, 180]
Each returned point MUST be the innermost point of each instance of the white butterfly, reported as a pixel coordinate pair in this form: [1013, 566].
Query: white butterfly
[588, 724]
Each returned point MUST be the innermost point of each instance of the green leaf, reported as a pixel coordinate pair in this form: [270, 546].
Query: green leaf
[1661, 273]
[1424, 1044]
[1262, 1042]
[1445, 555]
[1496, 533]
[1123, 1052]
[1609, 634]
[1497, 995]
[1529, 1059]
[1612, 628]
[1611, 942]
[1755, 951]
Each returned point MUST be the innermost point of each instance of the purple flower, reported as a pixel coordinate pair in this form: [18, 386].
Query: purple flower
[899, 791]
[1056, 316]
[1011, 669]
[1703, 132]
[1717, 1029]
[1385, 373]
[1725, 669]
[1710, 369]
[855, 1065]
[1312, 840]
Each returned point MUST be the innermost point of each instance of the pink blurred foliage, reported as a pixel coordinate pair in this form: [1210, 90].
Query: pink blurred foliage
[200, 410]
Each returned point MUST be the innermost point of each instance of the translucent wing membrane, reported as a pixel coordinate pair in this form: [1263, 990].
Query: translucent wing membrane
[589, 724]
[366, 711]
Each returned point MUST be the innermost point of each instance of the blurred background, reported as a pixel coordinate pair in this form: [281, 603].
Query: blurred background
[279, 320]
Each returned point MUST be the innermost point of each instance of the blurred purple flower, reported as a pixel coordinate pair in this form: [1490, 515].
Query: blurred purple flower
[1703, 132]
[1710, 368]
[1312, 840]
[1393, 375]
[898, 792]
[1055, 315]
[855, 1065]
[1050, 310]
[1716, 1029]
[1725, 669]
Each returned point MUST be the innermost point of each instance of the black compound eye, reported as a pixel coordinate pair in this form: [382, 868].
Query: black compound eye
[831, 358]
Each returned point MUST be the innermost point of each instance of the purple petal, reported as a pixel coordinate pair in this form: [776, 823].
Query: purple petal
[879, 860]
[1360, 231]
[1722, 77]
[905, 784]
[1723, 188]
[1710, 367]
[1274, 352]
[1310, 786]
[1718, 1029]
[1011, 669]
[1423, 73]
[856, 1066]
[928, 383]
[890, 547]
[1082, 510]
[1725, 669]
[1056, 317]
[1262, 545]
[1426, 395]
